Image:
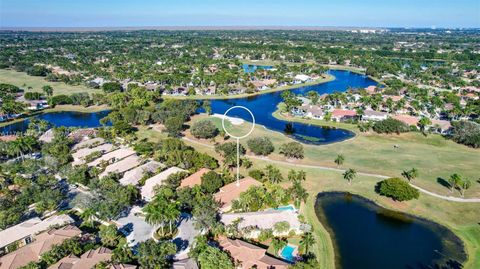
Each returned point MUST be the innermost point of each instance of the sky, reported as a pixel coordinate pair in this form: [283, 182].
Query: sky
[137, 13]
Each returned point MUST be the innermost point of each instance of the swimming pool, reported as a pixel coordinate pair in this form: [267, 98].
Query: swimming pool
[287, 253]
[287, 207]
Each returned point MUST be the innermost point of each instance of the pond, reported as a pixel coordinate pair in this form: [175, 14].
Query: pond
[368, 236]
[262, 107]
[65, 118]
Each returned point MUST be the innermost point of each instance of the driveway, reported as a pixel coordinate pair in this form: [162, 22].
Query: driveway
[186, 234]
[135, 228]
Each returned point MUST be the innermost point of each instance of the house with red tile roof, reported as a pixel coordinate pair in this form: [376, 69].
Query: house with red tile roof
[194, 179]
[250, 256]
[230, 192]
[407, 119]
[42, 243]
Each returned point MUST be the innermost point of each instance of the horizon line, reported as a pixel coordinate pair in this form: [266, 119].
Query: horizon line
[226, 27]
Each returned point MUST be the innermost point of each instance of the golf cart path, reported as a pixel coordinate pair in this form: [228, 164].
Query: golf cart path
[447, 198]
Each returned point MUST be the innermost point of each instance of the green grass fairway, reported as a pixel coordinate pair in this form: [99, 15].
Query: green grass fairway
[435, 157]
[22, 80]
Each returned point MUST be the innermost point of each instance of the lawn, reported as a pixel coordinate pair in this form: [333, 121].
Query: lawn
[22, 80]
[433, 156]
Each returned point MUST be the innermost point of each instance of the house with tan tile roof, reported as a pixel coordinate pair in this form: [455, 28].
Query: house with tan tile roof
[42, 243]
[230, 192]
[133, 176]
[194, 179]
[24, 232]
[88, 142]
[263, 220]
[113, 156]
[88, 259]
[148, 190]
[250, 256]
[122, 166]
[79, 155]
[185, 264]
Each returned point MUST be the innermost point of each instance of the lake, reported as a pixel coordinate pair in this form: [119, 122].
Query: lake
[262, 107]
[367, 236]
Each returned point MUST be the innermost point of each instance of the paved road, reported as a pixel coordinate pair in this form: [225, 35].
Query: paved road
[448, 198]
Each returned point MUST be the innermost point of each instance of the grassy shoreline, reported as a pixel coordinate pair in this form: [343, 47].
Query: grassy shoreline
[243, 95]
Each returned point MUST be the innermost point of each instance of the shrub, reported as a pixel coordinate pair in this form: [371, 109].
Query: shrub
[61, 99]
[260, 145]
[292, 150]
[257, 174]
[397, 189]
[204, 129]
[467, 133]
[112, 87]
[33, 96]
[389, 126]
[211, 182]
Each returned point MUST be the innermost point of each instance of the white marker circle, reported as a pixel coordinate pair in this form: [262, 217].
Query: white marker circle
[225, 116]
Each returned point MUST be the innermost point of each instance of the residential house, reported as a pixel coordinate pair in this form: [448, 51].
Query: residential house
[230, 192]
[343, 114]
[263, 220]
[42, 243]
[372, 115]
[407, 119]
[441, 126]
[88, 143]
[122, 166]
[47, 137]
[23, 233]
[188, 263]
[113, 156]
[79, 155]
[79, 135]
[148, 190]
[37, 104]
[302, 79]
[89, 259]
[194, 179]
[250, 256]
[133, 176]
[371, 89]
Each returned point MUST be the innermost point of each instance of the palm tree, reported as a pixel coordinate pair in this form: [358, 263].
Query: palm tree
[172, 213]
[88, 216]
[349, 175]
[454, 181]
[154, 214]
[465, 185]
[278, 244]
[307, 242]
[410, 174]
[339, 160]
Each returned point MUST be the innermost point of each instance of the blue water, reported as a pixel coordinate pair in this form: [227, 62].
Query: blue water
[262, 107]
[367, 236]
[66, 118]
[287, 253]
[250, 68]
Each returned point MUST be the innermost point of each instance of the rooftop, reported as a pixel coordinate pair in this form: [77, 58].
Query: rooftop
[148, 190]
[133, 176]
[88, 259]
[122, 165]
[116, 154]
[43, 243]
[250, 255]
[263, 219]
[195, 178]
[31, 227]
[231, 191]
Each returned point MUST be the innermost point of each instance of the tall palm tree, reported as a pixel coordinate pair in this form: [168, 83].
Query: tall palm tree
[307, 242]
[340, 159]
[349, 175]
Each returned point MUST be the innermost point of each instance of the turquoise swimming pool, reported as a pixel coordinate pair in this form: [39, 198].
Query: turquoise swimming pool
[287, 207]
[287, 253]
